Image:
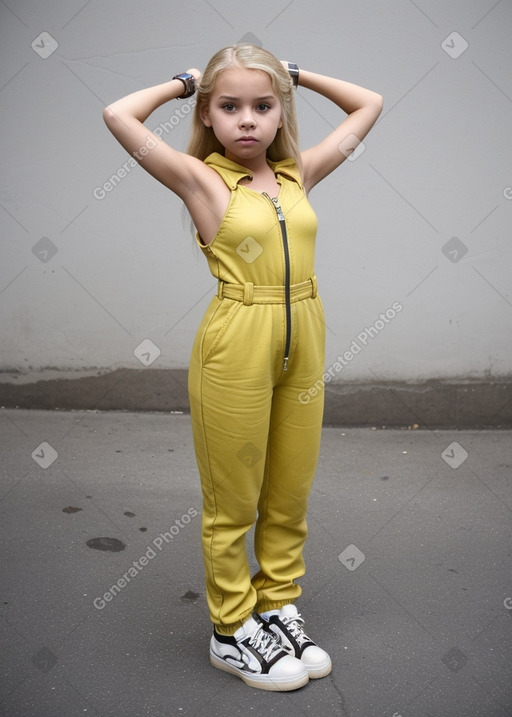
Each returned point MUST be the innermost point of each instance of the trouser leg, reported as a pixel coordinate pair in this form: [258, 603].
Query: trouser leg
[230, 399]
[293, 448]
[281, 529]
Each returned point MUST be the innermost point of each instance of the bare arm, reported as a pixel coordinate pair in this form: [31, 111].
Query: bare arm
[362, 108]
[201, 188]
[125, 119]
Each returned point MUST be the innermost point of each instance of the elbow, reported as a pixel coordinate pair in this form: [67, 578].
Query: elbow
[379, 103]
[108, 116]
[374, 105]
[113, 119]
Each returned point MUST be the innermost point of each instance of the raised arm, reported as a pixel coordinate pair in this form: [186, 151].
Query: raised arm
[362, 108]
[125, 119]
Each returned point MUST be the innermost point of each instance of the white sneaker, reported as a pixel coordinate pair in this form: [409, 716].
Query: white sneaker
[257, 657]
[289, 627]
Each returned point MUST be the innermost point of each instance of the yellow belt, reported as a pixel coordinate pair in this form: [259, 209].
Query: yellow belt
[250, 294]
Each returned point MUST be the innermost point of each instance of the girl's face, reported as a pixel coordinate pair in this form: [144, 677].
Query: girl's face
[244, 113]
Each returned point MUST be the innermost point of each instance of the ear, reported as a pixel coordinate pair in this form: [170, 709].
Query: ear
[203, 113]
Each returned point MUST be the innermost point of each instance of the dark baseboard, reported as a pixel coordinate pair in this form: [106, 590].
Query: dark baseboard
[435, 403]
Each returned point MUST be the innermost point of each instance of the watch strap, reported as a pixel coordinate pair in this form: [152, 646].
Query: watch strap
[189, 84]
[293, 71]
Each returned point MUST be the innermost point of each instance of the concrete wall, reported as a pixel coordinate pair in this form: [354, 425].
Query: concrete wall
[414, 252]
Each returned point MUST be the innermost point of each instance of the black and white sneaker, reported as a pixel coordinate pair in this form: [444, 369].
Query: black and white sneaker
[288, 625]
[257, 657]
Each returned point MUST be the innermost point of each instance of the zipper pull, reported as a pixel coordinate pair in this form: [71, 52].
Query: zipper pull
[285, 363]
[279, 211]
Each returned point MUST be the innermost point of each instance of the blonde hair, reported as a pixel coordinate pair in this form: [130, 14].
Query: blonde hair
[286, 143]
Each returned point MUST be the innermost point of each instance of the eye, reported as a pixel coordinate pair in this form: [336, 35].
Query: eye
[228, 106]
[263, 107]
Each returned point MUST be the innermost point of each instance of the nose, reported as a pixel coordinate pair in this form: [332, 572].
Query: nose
[247, 120]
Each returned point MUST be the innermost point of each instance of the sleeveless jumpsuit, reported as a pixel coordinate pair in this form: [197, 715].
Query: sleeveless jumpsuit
[256, 430]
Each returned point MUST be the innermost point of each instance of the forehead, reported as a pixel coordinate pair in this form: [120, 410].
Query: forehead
[243, 82]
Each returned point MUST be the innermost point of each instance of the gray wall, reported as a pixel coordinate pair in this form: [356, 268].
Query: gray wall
[420, 220]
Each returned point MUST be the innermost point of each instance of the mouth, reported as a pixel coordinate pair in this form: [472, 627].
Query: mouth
[247, 140]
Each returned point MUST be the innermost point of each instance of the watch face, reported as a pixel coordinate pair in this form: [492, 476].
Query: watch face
[188, 84]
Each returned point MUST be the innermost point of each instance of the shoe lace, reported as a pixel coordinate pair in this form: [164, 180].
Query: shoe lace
[266, 643]
[296, 626]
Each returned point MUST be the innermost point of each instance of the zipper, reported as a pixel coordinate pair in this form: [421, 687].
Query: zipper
[288, 309]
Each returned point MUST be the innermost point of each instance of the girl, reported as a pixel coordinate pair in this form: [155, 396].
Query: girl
[261, 342]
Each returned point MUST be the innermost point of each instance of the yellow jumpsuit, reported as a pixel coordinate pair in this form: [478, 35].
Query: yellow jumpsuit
[259, 348]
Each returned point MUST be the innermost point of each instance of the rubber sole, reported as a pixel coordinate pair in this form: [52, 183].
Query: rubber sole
[262, 682]
[319, 671]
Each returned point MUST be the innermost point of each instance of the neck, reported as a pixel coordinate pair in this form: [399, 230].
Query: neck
[257, 164]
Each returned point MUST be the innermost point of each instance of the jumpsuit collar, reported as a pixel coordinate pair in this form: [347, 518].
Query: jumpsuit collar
[287, 167]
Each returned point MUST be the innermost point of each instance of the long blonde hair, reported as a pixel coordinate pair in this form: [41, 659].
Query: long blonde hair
[286, 143]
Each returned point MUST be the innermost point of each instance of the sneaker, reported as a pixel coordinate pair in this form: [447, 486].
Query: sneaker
[288, 625]
[257, 657]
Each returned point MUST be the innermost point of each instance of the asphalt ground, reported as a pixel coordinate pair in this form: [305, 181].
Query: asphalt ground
[408, 583]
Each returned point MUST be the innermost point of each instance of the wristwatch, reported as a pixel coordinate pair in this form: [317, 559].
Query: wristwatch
[189, 84]
[293, 71]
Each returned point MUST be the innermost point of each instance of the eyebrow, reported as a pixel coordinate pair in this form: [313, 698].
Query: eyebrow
[258, 99]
